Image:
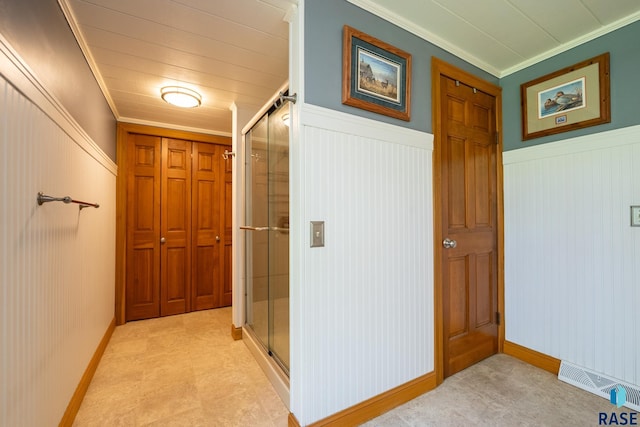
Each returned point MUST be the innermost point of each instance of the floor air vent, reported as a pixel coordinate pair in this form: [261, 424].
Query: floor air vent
[597, 383]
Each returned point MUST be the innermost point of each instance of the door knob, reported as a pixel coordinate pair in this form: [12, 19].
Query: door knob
[162, 240]
[217, 238]
[449, 243]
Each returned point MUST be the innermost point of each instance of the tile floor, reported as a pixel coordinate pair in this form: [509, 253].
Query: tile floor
[187, 371]
[500, 391]
[183, 370]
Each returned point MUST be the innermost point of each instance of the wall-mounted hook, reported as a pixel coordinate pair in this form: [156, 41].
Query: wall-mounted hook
[293, 98]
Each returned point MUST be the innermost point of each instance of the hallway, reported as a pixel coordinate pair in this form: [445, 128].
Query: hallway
[182, 370]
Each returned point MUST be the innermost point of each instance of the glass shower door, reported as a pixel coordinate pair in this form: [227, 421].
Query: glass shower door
[279, 236]
[257, 229]
[267, 233]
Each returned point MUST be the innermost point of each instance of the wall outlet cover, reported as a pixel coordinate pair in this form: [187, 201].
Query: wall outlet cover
[317, 234]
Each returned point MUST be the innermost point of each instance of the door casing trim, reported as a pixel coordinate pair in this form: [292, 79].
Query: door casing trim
[438, 69]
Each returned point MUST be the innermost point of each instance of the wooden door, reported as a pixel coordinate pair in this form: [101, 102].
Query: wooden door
[165, 175]
[143, 227]
[206, 227]
[468, 179]
[178, 227]
[175, 227]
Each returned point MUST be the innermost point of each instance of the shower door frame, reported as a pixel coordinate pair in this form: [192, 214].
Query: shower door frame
[276, 228]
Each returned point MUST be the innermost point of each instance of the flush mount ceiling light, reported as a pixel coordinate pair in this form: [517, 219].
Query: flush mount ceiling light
[181, 96]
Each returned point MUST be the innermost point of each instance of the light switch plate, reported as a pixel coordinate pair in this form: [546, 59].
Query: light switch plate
[635, 216]
[317, 234]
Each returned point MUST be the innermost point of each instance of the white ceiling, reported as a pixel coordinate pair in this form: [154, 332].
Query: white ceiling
[228, 51]
[236, 51]
[503, 36]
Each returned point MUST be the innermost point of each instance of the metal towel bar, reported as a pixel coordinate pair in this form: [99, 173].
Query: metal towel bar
[43, 198]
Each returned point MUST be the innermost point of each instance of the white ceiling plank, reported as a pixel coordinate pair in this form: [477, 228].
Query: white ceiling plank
[163, 20]
[236, 51]
[502, 22]
[494, 50]
[264, 17]
[610, 11]
[571, 18]
[226, 75]
[187, 44]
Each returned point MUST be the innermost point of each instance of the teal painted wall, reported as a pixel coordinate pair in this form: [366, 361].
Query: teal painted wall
[624, 48]
[324, 20]
[323, 70]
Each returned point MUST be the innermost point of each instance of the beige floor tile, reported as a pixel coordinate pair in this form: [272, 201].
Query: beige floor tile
[190, 418]
[499, 391]
[166, 401]
[187, 371]
[183, 370]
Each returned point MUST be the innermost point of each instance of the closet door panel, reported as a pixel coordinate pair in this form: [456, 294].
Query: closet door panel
[175, 271]
[143, 227]
[207, 234]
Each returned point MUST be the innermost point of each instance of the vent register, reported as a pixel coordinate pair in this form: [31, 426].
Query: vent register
[598, 384]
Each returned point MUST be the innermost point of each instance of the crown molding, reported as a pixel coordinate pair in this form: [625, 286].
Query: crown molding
[84, 47]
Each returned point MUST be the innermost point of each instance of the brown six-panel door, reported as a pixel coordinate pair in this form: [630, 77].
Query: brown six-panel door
[175, 227]
[177, 236]
[143, 227]
[469, 222]
[211, 217]
[207, 275]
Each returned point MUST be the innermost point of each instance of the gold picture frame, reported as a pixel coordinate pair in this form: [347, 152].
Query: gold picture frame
[572, 98]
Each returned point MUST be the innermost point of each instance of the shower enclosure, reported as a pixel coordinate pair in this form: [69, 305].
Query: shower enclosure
[267, 232]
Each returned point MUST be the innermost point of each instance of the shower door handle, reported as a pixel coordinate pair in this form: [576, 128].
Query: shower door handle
[251, 228]
[280, 229]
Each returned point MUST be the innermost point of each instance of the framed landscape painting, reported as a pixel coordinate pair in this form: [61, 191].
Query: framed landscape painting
[572, 98]
[375, 75]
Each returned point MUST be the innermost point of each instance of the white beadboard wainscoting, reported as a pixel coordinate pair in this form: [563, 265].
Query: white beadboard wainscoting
[56, 262]
[362, 305]
[572, 260]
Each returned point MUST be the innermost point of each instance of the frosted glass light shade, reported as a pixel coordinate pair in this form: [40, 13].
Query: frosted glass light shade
[181, 96]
